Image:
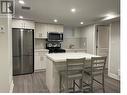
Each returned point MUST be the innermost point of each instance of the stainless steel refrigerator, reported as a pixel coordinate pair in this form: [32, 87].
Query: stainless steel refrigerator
[23, 51]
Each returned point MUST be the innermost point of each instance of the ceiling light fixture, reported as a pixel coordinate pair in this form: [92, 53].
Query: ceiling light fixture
[21, 2]
[81, 22]
[73, 10]
[21, 17]
[55, 20]
[110, 16]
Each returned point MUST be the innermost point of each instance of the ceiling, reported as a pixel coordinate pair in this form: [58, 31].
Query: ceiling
[88, 11]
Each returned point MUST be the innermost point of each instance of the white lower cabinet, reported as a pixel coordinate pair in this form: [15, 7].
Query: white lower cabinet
[40, 60]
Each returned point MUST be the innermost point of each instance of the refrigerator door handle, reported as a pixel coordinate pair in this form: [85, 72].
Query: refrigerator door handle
[19, 44]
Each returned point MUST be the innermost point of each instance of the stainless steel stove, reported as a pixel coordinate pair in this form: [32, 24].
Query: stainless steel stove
[54, 47]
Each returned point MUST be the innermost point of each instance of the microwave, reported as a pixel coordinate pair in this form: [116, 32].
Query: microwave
[55, 36]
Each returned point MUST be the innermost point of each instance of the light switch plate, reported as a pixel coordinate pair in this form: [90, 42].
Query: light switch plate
[2, 29]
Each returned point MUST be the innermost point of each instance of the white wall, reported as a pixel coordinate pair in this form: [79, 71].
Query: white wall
[6, 81]
[89, 33]
[114, 50]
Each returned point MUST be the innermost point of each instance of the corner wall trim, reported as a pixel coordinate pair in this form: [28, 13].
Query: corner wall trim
[114, 76]
[11, 87]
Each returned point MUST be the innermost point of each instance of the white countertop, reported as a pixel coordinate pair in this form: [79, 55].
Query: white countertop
[38, 50]
[60, 57]
[76, 49]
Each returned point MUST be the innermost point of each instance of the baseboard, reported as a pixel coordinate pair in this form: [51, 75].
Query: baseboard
[11, 87]
[114, 76]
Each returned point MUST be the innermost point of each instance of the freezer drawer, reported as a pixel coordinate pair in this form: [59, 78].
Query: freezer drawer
[27, 64]
[16, 65]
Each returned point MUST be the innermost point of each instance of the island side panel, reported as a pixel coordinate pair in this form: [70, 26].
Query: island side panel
[57, 67]
[52, 75]
[49, 74]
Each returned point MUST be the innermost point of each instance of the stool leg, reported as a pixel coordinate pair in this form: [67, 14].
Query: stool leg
[60, 84]
[67, 88]
[81, 85]
[91, 83]
[103, 83]
[73, 85]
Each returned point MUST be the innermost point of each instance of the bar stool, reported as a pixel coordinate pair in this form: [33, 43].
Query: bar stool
[97, 68]
[74, 71]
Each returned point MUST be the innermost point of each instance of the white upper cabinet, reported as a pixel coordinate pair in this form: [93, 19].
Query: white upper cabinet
[41, 30]
[54, 28]
[60, 28]
[23, 24]
[51, 28]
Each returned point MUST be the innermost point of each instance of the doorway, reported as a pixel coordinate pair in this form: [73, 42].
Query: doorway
[102, 41]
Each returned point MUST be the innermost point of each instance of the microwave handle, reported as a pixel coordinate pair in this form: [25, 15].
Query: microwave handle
[61, 36]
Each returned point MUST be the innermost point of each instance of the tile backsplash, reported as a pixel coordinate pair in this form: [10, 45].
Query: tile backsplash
[74, 43]
[39, 44]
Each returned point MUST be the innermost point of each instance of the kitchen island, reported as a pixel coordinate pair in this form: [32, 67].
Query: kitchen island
[56, 62]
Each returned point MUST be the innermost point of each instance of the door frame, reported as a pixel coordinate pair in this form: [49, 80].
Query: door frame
[97, 41]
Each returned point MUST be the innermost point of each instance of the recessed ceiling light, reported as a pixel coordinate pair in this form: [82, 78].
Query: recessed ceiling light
[55, 20]
[21, 2]
[21, 17]
[73, 10]
[81, 22]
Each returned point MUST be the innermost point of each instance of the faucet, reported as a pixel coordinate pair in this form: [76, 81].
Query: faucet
[71, 46]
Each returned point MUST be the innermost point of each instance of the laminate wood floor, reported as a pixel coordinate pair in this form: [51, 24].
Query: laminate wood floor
[31, 83]
[36, 83]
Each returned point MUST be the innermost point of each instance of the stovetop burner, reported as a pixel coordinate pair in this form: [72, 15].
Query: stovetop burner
[54, 47]
[58, 50]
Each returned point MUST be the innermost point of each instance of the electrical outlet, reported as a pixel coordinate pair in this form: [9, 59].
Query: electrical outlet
[2, 29]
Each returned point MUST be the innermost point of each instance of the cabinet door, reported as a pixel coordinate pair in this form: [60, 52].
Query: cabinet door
[23, 24]
[44, 59]
[42, 62]
[40, 30]
[44, 30]
[51, 28]
[37, 63]
[17, 23]
[60, 28]
[29, 24]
